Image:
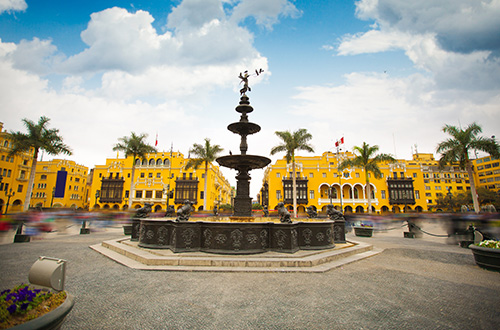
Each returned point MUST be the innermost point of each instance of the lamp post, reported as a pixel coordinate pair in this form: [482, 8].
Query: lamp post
[9, 195]
[52, 200]
[449, 195]
[97, 194]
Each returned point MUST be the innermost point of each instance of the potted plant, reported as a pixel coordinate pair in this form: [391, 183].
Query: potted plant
[363, 230]
[27, 308]
[487, 254]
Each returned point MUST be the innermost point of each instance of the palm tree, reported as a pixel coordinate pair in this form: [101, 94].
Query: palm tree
[39, 137]
[297, 140]
[456, 149]
[204, 154]
[136, 147]
[366, 159]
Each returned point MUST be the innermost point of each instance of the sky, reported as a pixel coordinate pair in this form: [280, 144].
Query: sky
[390, 73]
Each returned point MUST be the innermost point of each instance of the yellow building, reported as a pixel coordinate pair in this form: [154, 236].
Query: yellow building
[413, 185]
[60, 183]
[155, 176]
[14, 173]
[487, 173]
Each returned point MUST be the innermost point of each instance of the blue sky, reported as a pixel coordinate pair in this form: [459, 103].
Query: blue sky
[388, 72]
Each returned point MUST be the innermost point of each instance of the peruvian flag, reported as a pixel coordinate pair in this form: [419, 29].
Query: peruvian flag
[156, 143]
[338, 143]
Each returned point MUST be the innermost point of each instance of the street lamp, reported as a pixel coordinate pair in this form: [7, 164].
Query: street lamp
[97, 194]
[449, 195]
[9, 195]
[52, 200]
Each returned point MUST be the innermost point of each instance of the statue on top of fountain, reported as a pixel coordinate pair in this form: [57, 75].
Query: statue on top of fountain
[244, 80]
[334, 214]
[184, 212]
[283, 213]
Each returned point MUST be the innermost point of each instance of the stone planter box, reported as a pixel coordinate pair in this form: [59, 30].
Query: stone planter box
[127, 230]
[486, 257]
[50, 321]
[363, 231]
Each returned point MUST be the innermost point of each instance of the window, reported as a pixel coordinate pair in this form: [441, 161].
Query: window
[382, 192]
[19, 188]
[78, 179]
[414, 175]
[149, 194]
[127, 193]
[324, 175]
[159, 194]
[437, 188]
[311, 175]
[142, 175]
[278, 195]
[417, 194]
[138, 194]
[158, 175]
[278, 175]
[202, 194]
[150, 175]
[311, 194]
[357, 175]
[428, 195]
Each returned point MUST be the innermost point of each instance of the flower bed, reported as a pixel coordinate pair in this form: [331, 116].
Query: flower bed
[487, 254]
[23, 304]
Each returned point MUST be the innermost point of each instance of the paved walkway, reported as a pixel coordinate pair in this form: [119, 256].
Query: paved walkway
[413, 284]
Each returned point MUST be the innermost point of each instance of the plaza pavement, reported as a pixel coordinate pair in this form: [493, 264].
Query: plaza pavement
[413, 284]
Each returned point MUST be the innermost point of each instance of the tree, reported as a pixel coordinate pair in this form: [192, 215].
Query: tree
[39, 137]
[204, 154]
[456, 150]
[366, 159]
[297, 140]
[136, 147]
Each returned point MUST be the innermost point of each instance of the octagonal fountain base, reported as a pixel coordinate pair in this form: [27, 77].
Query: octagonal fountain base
[241, 237]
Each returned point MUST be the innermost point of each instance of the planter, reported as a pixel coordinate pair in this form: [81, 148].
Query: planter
[363, 231]
[486, 257]
[127, 230]
[50, 321]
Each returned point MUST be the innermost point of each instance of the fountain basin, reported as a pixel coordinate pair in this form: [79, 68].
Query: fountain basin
[235, 237]
[248, 162]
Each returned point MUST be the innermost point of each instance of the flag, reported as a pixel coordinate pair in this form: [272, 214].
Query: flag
[339, 142]
[156, 143]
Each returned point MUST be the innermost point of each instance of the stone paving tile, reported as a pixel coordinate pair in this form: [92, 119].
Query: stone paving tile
[413, 284]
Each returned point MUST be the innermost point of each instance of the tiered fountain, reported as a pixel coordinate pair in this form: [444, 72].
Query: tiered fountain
[243, 163]
[240, 234]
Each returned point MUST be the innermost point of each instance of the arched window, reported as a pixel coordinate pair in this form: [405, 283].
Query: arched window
[137, 162]
[158, 162]
[144, 162]
[166, 162]
[151, 162]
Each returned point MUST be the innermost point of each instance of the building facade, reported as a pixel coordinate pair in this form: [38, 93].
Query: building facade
[14, 174]
[411, 185]
[487, 173]
[60, 183]
[160, 179]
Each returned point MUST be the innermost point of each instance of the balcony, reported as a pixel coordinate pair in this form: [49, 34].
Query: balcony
[345, 201]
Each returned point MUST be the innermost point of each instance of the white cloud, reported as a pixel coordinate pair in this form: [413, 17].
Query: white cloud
[12, 5]
[394, 113]
[456, 41]
[265, 12]
[459, 25]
